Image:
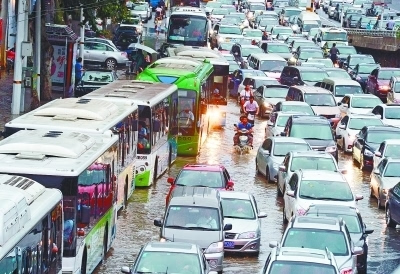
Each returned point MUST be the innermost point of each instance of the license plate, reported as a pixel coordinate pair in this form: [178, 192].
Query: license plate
[227, 40]
[229, 244]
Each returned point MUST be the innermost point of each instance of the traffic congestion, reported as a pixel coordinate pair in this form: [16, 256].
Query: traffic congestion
[255, 139]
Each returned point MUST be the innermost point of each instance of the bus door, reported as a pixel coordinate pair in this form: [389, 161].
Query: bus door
[220, 85]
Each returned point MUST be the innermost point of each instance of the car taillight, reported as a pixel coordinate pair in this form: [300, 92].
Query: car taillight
[346, 271]
[383, 87]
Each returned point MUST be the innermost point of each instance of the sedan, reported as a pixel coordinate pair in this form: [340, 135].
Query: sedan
[378, 81]
[103, 54]
[267, 96]
[358, 104]
[392, 207]
[257, 81]
[390, 114]
[383, 178]
[94, 79]
[272, 152]
[361, 72]
[388, 148]
[144, 11]
[240, 210]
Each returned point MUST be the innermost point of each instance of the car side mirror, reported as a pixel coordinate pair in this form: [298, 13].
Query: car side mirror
[158, 222]
[358, 250]
[270, 124]
[295, 78]
[227, 227]
[229, 185]
[125, 269]
[283, 134]
[378, 116]
[266, 152]
[282, 168]
[376, 171]
[338, 137]
[290, 193]
[359, 197]
[378, 154]
[262, 215]
[368, 231]
[170, 180]
[273, 244]
[341, 126]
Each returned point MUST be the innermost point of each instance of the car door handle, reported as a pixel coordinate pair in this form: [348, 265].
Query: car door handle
[103, 53]
[87, 51]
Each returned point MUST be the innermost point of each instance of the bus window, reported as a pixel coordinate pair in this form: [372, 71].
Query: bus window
[184, 116]
[144, 133]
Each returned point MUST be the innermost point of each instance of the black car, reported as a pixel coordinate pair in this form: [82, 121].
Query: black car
[316, 130]
[361, 72]
[297, 75]
[344, 52]
[125, 39]
[368, 140]
[93, 79]
[352, 20]
[357, 228]
[354, 59]
[131, 30]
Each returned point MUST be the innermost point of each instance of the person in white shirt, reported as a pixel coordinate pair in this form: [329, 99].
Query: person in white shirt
[207, 219]
[251, 109]
[186, 114]
[245, 94]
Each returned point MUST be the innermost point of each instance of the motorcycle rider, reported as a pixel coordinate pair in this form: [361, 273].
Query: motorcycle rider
[245, 95]
[244, 124]
[334, 53]
[251, 107]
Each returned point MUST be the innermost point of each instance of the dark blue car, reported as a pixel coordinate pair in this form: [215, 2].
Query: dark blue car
[238, 77]
[361, 72]
[393, 206]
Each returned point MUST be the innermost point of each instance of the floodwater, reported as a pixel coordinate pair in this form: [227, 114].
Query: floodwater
[135, 224]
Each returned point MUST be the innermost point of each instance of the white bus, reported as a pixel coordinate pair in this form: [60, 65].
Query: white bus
[155, 152]
[90, 116]
[31, 227]
[82, 166]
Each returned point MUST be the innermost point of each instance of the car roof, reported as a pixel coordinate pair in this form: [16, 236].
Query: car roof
[300, 254]
[195, 196]
[235, 195]
[323, 175]
[281, 139]
[171, 247]
[333, 209]
[383, 127]
[300, 68]
[312, 89]
[294, 103]
[311, 153]
[290, 113]
[396, 160]
[204, 167]
[316, 222]
[361, 95]
[341, 81]
[363, 116]
[261, 78]
[335, 69]
[306, 119]
[247, 46]
[392, 141]
[389, 105]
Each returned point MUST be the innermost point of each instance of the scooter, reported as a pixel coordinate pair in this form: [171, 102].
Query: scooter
[251, 115]
[244, 146]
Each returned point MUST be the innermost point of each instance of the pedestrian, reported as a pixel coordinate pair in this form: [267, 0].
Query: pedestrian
[158, 12]
[78, 71]
[390, 24]
[265, 36]
[158, 25]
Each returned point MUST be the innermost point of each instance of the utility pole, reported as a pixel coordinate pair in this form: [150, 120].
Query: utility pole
[341, 14]
[38, 43]
[17, 85]
[82, 40]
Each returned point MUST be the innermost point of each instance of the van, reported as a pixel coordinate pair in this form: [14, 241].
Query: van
[271, 64]
[194, 215]
[332, 35]
[340, 87]
[307, 20]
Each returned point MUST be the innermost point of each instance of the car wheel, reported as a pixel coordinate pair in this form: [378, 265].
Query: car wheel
[371, 192]
[258, 171]
[111, 63]
[267, 175]
[284, 219]
[389, 220]
[278, 190]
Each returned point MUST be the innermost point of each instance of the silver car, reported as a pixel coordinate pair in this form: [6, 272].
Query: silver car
[103, 54]
[272, 152]
[240, 210]
[383, 178]
[101, 40]
[142, 10]
[277, 123]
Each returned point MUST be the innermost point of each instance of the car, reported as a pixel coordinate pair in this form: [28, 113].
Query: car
[92, 79]
[392, 207]
[389, 113]
[217, 14]
[367, 141]
[337, 73]
[340, 87]
[134, 22]
[361, 72]
[225, 48]
[206, 175]
[388, 148]
[324, 61]
[355, 224]
[238, 76]
[257, 81]
[275, 127]
[300, 260]
[280, 30]
[272, 151]
[225, 33]
[297, 75]
[363, 22]
[267, 96]
[358, 104]
[101, 40]
[315, 160]
[352, 20]
[378, 81]
[242, 51]
[393, 95]
[286, 13]
[271, 64]
[384, 177]
[105, 55]
[344, 52]
[174, 256]
[354, 59]
[313, 65]
[277, 48]
[350, 125]
[297, 106]
[306, 53]
[142, 10]
[266, 24]
[252, 34]
[240, 210]
[322, 233]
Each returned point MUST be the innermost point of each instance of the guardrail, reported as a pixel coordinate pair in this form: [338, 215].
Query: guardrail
[374, 33]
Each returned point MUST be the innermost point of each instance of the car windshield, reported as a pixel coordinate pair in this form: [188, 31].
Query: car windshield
[310, 25]
[192, 218]
[387, 74]
[230, 30]
[211, 179]
[347, 50]
[219, 11]
[352, 221]
[319, 99]
[139, 7]
[225, 46]
[131, 21]
[253, 50]
[338, 73]
[312, 131]
[97, 76]
[279, 267]
[171, 262]
[278, 48]
[282, 30]
[253, 72]
[304, 55]
[355, 17]
[275, 92]
[313, 76]
[334, 36]
[359, 123]
[392, 151]
[315, 163]
[366, 102]
[342, 90]
[378, 136]
[392, 170]
[281, 121]
[354, 60]
[367, 69]
[325, 190]
[272, 65]
[252, 33]
[392, 113]
[268, 22]
[365, 20]
[321, 239]
[298, 108]
[281, 149]
[230, 20]
[238, 209]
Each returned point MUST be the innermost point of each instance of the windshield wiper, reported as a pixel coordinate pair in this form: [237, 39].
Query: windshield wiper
[313, 138]
[201, 228]
[332, 199]
[177, 226]
[309, 197]
[236, 217]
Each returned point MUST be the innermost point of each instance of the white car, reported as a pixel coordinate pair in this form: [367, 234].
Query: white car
[390, 114]
[277, 124]
[388, 148]
[227, 33]
[358, 103]
[257, 81]
[307, 187]
[350, 125]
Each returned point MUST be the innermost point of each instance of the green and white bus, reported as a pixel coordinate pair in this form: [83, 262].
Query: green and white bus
[194, 79]
[94, 117]
[156, 150]
[84, 168]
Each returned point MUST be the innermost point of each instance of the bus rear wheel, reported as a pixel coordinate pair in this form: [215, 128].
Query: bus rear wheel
[105, 243]
[155, 170]
[84, 261]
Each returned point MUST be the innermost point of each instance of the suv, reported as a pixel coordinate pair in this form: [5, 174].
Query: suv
[194, 215]
[296, 75]
[271, 64]
[354, 59]
[316, 130]
[378, 81]
[321, 233]
[320, 99]
[300, 260]
[393, 95]
[388, 113]
[357, 228]
[213, 176]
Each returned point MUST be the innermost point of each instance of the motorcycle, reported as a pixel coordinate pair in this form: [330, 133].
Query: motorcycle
[244, 146]
[251, 115]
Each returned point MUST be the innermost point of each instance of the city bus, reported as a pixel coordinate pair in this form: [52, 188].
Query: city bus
[195, 81]
[90, 116]
[217, 103]
[31, 228]
[83, 167]
[156, 150]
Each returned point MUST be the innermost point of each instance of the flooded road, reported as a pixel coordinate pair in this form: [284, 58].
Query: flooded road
[135, 224]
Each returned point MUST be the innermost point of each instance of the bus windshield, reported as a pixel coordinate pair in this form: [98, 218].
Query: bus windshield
[187, 3]
[184, 114]
[191, 29]
[334, 36]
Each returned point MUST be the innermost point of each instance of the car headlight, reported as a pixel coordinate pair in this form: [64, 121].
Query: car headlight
[368, 153]
[221, 39]
[248, 235]
[215, 247]
[337, 115]
[330, 149]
